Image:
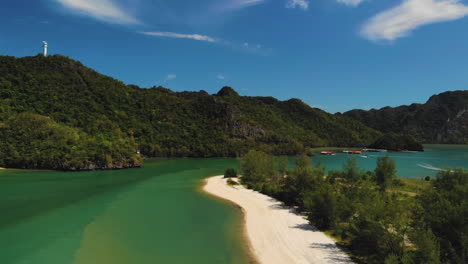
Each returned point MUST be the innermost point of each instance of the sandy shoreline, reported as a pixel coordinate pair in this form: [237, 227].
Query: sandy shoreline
[277, 233]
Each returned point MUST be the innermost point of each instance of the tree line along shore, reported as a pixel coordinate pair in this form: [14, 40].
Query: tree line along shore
[375, 216]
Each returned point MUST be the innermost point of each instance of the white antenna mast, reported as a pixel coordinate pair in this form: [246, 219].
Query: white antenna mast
[44, 44]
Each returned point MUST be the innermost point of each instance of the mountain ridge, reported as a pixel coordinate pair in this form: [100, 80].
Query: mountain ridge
[442, 119]
[155, 122]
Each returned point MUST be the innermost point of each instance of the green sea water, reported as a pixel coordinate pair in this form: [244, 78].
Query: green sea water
[156, 214]
[152, 215]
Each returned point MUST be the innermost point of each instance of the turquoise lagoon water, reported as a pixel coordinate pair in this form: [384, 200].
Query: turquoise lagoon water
[409, 164]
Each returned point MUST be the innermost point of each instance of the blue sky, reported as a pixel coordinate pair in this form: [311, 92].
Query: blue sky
[333, 54]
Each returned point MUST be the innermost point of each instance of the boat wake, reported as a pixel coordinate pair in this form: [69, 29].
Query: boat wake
[430, 167]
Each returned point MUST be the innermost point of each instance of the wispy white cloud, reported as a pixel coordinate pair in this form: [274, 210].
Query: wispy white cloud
[170, 77]
[182, 36]
[253, 48]
[221, 77]
[409, 15]
[105, 10]
[231, 5]
[350, 2]
[302, 4]
[246, 46]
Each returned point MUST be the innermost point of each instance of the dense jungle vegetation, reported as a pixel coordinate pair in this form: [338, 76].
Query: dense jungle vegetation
[367, 211]
[443, 119]
[56, 113]
[397, 142]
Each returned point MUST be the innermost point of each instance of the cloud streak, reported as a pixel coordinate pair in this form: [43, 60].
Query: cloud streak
[104, 10]
[245, 47]
[232, 5]
[170, 77]
[302, 4]
[181, 36]
[350, 2]
[401, 20]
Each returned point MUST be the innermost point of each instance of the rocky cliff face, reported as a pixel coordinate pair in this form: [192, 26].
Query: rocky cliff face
[239, 128]
[455, 131]
[442, 119]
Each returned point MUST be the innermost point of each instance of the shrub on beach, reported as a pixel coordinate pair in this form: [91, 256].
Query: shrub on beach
[230, 173]
[232, 182]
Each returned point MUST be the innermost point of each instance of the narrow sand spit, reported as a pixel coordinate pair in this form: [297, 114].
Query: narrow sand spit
[278, 235]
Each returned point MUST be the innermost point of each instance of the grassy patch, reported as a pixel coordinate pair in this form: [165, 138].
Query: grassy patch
[409, 186]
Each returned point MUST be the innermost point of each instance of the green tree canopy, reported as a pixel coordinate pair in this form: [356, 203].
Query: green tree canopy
[385, 172]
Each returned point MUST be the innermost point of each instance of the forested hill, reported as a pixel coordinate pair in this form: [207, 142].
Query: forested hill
[442, 119]
[57, 113]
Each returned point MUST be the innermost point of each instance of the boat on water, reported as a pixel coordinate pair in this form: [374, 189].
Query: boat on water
[405, 150]
[375, 150]
[327, 153]
[355, 152]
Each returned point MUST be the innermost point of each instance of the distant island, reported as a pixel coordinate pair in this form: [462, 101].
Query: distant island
[55, 113]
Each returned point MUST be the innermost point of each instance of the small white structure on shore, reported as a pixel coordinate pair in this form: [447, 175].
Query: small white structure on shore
[44, 44]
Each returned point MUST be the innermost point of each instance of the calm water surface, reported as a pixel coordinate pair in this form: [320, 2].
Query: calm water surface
[98, 217]
[409, 165]
[152, 215]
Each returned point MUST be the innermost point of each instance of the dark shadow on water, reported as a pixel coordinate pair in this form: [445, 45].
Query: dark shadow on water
[39, 209]
[31, 200]
[25, 238]
[24, 231]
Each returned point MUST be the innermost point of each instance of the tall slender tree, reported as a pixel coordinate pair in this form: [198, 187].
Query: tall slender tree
[385, 172]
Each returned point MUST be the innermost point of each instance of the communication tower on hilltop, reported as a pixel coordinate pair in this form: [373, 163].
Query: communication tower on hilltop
[44, 44]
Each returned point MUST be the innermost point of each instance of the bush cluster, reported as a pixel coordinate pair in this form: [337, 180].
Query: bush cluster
[376, 224]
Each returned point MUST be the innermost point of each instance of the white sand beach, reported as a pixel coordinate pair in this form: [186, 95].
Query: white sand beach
[277, 234]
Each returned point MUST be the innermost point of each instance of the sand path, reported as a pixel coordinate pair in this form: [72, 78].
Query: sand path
[278, 235]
